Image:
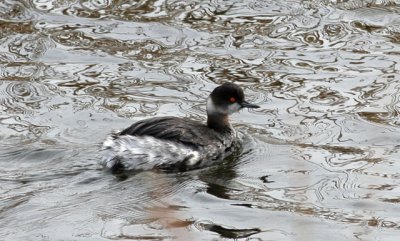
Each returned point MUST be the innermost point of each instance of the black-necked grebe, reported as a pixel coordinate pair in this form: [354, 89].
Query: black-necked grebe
[178, 143]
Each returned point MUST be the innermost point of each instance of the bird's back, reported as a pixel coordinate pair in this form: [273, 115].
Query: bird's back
[167, 142]
[188, 132]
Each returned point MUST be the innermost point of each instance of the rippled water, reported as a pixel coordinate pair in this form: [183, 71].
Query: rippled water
[320, 159]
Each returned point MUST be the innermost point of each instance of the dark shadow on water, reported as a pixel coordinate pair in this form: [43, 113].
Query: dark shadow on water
[230, 232]
[218, 177]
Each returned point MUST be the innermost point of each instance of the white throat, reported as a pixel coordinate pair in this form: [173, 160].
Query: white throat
[211, 108]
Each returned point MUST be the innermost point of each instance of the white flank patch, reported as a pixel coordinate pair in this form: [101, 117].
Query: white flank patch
[145, 152]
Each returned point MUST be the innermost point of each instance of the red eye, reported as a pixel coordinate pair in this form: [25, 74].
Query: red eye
[232, 99]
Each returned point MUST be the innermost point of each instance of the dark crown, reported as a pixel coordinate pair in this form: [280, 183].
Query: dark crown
[222, 94]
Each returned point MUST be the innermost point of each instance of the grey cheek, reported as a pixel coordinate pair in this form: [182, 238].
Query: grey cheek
[234, 108]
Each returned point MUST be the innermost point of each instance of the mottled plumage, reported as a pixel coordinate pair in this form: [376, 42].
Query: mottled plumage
[183, 130]
[178, 143]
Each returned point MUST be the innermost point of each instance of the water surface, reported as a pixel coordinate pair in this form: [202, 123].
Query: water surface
[320, 159]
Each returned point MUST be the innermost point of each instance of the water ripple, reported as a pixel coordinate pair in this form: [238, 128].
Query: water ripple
[322, 147]
[11, 10]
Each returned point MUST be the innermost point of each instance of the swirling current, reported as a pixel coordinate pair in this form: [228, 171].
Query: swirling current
[320, 158]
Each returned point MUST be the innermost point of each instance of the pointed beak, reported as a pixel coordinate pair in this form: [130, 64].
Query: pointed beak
[246, 104]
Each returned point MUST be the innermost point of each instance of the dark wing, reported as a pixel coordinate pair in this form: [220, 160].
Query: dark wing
[181, 130]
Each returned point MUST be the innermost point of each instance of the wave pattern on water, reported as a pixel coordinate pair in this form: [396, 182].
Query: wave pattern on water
[319, 160]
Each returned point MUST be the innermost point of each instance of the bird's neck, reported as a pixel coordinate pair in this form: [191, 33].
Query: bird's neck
[219, 122]
[215, 119]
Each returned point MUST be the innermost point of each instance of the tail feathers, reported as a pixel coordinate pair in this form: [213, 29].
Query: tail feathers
[145, 152]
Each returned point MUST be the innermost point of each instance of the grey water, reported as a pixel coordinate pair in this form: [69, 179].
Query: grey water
[320, 158]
